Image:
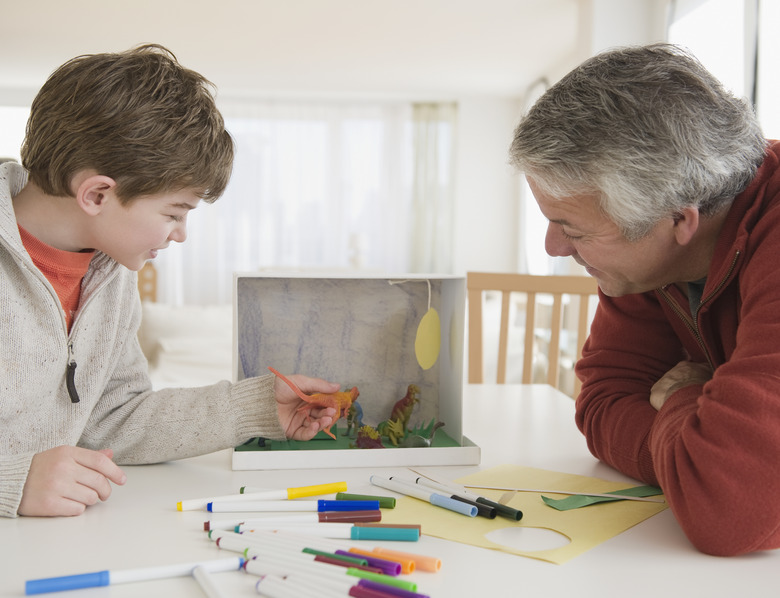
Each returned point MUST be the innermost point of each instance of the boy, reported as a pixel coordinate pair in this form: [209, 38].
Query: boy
[119, 148]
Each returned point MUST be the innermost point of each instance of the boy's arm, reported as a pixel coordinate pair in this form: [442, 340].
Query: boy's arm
[13, 474]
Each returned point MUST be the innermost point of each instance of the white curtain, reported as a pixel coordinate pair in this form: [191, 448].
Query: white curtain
[321, 186]
[433, 194]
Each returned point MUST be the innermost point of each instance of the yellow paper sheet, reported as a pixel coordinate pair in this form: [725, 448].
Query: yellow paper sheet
[585, 528]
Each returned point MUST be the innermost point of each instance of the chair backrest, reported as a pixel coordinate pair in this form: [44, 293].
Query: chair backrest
[147, 282]
[532, 286]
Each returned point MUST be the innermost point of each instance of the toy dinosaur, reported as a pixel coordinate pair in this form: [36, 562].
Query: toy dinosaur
[402, 410]
[354, 418]
[340, 401]
[368, 437]
[393, 429]
[416, 438]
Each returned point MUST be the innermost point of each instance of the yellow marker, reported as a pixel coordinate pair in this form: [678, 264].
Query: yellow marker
[258, 494]
[316, 490]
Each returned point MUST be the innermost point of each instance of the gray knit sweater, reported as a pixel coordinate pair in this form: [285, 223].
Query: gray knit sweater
[117, 408]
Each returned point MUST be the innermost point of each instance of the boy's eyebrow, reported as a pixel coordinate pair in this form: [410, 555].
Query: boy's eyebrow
[183, 205]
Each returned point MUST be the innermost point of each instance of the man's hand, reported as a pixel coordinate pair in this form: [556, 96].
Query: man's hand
[685, 373]
[65, 480]
[303, 425]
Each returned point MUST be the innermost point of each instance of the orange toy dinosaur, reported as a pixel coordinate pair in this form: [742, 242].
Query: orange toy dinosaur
[340, 401]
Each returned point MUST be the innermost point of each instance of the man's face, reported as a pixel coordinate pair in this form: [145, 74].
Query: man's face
[578, 228]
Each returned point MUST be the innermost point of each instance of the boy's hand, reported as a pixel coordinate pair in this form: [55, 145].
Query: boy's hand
[65, 480]
[303, 425]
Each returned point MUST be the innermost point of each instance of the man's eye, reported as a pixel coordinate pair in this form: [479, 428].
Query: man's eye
[570, 237]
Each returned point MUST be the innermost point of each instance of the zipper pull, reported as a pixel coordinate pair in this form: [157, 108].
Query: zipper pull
[70, 376]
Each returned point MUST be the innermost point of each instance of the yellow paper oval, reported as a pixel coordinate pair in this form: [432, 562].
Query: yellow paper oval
[427, 345]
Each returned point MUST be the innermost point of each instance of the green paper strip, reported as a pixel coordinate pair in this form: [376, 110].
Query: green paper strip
[581, 500]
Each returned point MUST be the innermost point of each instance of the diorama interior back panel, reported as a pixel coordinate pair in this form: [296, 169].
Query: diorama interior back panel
[380, 335]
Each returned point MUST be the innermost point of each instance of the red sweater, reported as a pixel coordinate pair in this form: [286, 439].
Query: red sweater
[714, 449]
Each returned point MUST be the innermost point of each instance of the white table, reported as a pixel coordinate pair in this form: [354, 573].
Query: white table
[526, 425]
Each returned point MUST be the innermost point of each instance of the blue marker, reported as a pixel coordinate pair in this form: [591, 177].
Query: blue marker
[107, 578]
[258, 506]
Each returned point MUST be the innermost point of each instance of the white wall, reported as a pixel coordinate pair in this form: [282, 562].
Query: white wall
[486, 186]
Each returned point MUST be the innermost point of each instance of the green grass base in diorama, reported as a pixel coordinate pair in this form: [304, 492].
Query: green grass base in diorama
[324, 451]
[324, 442]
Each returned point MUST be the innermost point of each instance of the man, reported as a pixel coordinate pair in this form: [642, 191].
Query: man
[660, 183]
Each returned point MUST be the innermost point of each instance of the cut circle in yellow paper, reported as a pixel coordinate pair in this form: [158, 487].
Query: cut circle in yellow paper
[427, 345]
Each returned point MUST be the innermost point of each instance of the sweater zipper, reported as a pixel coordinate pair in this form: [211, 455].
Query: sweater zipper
[692, 322]
[70, 375]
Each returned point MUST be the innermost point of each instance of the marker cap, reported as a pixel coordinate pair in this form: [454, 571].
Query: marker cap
[68, 582]
[453, 505]
[401, 534]
[385, 589]
[316, 490]
[347, 505]
[385, 502]
[483, 510]
[392, 568]
[502, 510]
[350, 516]
[422, 562]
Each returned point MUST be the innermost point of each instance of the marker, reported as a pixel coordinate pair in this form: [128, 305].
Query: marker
[283, 554]
[279, 541]
[206, 582]
[421, 493]
[482, 510]
[278, 565]
[372, 589]
[348, 531]
[106, 578]
[391, 568]
[421, 562]
[274, 586]
[288, 494]
[502, 510]
[302, 518]
[261, 506]
[280, 554]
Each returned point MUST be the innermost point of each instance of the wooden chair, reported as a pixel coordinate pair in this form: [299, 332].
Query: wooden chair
[532, 286]
[147, 282]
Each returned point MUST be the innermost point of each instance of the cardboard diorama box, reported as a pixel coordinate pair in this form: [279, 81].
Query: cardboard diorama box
[398, 340]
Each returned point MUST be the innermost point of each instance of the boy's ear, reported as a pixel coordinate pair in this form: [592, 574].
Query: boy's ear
[686, 223]
[92, 192]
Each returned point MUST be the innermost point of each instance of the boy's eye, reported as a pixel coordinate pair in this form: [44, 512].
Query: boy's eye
[176, 218]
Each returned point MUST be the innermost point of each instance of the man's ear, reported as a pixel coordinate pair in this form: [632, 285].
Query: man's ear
[92, 192]
[686, 223]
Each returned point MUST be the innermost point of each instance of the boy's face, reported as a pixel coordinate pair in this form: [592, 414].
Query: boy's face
[134, 233]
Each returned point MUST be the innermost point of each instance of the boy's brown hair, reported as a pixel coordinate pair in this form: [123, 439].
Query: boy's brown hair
[138, 117]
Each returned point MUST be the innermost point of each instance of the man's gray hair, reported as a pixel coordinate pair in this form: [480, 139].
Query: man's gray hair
[648, 129]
